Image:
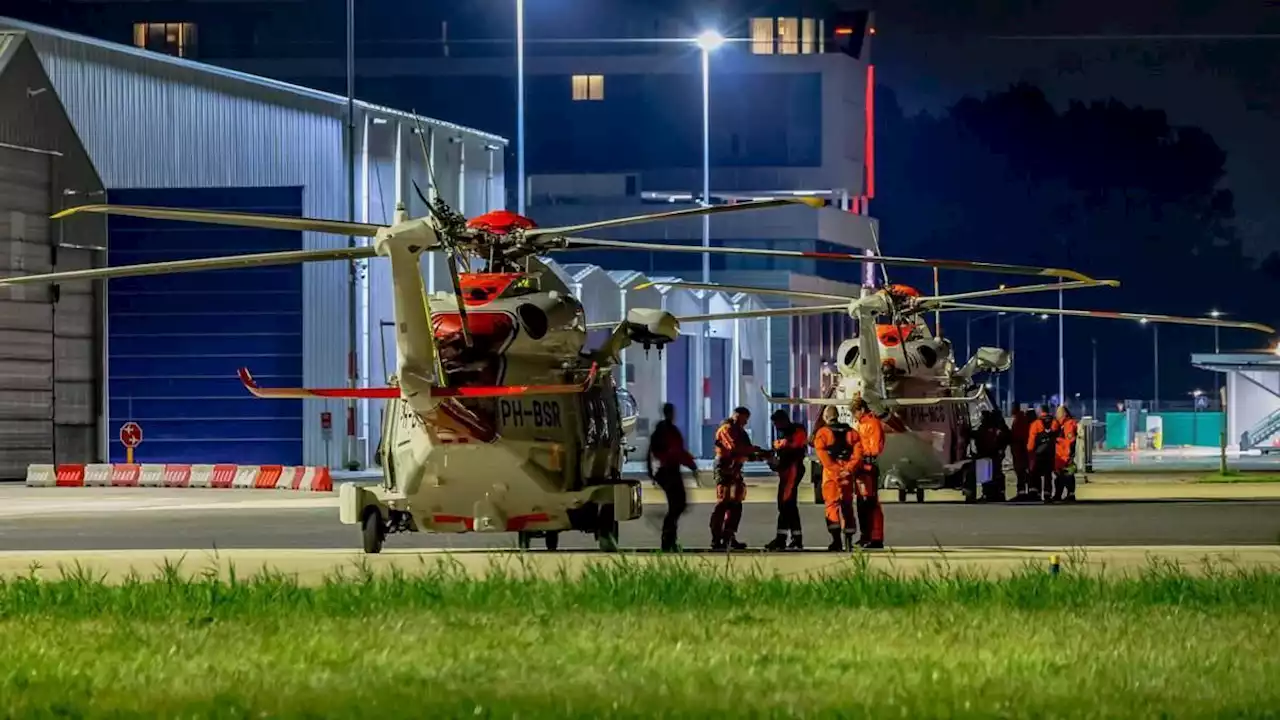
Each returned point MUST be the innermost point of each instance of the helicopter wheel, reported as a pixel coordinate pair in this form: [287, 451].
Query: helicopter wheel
[524, 540]
[607, 529]
[371, 531]
[552, 539]
[902, 495]
[919, 495]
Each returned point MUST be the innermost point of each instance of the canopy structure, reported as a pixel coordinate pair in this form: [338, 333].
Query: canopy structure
[1253, 397]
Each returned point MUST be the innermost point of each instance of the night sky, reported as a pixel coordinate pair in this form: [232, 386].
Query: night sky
[931, 53]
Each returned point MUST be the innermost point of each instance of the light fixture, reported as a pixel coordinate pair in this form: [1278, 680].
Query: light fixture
[1197, 393]
[709, 40]
[1216, 313]
[1143, 321]
[1044, 316]
[1276, 350]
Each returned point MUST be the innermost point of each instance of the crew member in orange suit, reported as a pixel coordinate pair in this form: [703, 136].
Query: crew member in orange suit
[733, 448]
[1064, 461]
[788, 461]
[1019, 431]
[867, 477]
[840, 452]
[1042, 443]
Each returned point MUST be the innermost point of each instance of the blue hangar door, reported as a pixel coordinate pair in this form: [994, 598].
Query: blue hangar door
[175, 342]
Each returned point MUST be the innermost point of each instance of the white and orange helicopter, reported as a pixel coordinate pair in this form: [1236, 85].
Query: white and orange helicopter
[910, 378]
[498, 419]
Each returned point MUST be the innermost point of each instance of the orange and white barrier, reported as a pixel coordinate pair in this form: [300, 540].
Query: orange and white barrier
[241, 477]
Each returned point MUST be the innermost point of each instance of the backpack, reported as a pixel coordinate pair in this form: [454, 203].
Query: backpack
[840, 449]
[1046, 439]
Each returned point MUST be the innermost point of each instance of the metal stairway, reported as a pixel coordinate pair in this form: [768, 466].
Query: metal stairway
[1268, 427]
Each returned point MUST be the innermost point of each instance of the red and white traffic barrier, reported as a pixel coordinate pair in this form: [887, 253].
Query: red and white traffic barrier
[241, 477]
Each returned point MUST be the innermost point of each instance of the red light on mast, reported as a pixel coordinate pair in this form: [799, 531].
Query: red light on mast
[844, 31]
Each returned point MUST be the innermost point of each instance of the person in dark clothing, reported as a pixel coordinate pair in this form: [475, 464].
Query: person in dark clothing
[666, 445]
[1042, 443]
[787, 460]
[1019, 432]
[990, 442]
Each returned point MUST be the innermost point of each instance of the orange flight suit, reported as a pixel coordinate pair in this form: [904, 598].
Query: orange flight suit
[733, 447]
[867, 479]
[790, 450]
[1064, 459]
[1041, 480]
[837, 476]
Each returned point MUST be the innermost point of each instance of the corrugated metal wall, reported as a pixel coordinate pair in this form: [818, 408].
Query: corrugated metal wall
[150, 122]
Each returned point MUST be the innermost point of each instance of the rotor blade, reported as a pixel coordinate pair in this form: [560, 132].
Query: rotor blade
[740, 315]
[227, 262]
[227, 217]
[672, 215]
[800, 294]
[1018, 290]
[437, 392]
[971, 265]
[1173, 319]
[457, 294]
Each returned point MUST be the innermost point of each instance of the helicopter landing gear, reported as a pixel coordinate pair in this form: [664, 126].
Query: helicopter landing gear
[902, 495]
[607, 529]
[372, 531]
[551, 538]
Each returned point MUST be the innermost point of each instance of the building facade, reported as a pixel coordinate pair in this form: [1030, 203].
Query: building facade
[86, 121]
[612, 123]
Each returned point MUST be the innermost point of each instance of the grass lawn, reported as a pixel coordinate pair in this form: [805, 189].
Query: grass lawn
[633, 642]
[1237, 476]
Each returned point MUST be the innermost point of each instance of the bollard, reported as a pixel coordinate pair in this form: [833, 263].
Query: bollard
[1054, 565]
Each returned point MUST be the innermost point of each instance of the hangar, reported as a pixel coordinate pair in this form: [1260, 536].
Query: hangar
[1253, 397]
[85, 121]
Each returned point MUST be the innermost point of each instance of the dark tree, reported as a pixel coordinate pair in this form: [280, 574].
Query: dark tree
[1102, 187]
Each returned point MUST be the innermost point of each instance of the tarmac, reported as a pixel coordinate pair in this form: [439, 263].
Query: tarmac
[1119, 522]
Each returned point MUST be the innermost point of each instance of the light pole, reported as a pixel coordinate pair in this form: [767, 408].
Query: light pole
[1094, 342]
[708, 42]
[1217, 381]
[520, 106]
[1062, 361]
[1155, 341]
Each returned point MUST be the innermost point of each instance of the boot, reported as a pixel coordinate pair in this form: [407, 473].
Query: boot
[797, 542]
[871, 544]
[836, 543]
[778, 544]
[718, 543]
[848, 541]
[734, 544]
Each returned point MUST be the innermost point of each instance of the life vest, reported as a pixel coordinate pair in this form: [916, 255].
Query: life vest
[840, 449]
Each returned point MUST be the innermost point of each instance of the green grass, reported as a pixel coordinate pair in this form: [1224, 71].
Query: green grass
[629, 641]
[1240, 476]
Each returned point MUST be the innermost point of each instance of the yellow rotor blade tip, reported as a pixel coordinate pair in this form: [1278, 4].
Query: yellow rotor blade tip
[813, 201]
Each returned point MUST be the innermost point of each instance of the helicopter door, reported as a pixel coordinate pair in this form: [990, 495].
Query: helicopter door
[597, 436]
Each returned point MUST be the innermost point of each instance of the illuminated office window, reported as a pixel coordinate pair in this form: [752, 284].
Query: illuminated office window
[169, 38]
[588, 87]
[762, 36]
[806, 36]
[788, 36]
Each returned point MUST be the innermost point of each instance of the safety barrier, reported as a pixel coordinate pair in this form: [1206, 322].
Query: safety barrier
[241, 477]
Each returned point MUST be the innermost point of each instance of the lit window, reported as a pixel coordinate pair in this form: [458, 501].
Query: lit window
[762, 36]
[588, 87]
[169, 38]
[788, 36]
[806, 36]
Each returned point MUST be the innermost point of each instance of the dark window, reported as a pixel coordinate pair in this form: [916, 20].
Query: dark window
[178, 39]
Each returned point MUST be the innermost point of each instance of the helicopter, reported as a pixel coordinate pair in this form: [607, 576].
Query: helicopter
[909, 376]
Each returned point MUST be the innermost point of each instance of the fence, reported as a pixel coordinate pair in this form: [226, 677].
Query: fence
[1178, 429]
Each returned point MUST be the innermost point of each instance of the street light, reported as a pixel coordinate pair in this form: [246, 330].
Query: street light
[1217, 381]
[1155, 334]
[519, 107]
[708, 41]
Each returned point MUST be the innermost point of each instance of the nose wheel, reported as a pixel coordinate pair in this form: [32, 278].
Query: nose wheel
[550, 538]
